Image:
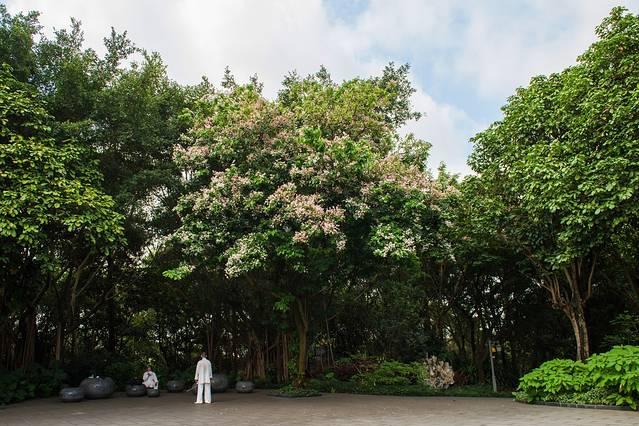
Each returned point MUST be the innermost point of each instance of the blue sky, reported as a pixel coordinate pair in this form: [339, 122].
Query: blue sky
[466, 56]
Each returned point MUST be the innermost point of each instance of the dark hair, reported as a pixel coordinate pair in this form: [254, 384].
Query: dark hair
[204, 354]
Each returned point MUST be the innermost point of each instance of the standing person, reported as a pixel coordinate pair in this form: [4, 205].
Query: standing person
[203, 375]
[149, 379]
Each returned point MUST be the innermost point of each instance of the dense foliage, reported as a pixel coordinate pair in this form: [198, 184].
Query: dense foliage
[36, 381]
[561, 169]
[142, 221]
[608, 378]
[369, 375]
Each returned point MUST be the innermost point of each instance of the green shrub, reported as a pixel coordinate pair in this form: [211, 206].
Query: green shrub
[346, 368]
[553, 378]
[595, 396]
[391, 373]
[618, 372]
[608, 378]
[37, 381]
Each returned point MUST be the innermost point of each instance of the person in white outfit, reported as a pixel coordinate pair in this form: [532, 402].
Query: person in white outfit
[203, 375]
[149, 379]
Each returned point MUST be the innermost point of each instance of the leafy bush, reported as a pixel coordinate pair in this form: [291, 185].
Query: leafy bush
[595, 396]
[346, 368]
[617, 371]
[390, 373]
[21, 384]
[553, 378]
[611, 378]
[432, 372]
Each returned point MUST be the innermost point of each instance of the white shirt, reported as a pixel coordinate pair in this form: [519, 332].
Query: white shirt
[150, 380]
[203, 371]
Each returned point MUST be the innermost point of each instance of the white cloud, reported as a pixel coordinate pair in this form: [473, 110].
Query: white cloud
[501, 51]
[485, 47]
[448, 128]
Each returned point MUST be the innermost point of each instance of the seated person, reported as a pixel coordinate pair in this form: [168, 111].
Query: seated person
[149, 379]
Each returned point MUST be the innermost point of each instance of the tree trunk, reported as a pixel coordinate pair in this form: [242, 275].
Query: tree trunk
[59, 340]
[301, 323]
[577, 319]
[111, 311]
[571, 294]
[331, 357]
[28, 329]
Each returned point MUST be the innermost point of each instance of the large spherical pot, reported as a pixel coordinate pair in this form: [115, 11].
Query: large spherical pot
[219, 383]
[71, 394]
[244, 386]
[111, 384]
[135, 390]
[153, 393]
[175, 385]
[96, 387]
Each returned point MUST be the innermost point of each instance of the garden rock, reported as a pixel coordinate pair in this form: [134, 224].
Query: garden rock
[244, 386]
[97, 387]
[71, 394]
[219, 383]
[153, 393]
[135, 390]
[175, 385]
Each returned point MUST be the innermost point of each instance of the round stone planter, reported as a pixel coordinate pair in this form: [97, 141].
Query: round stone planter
[244, 386]
[71, 394]
[135, 390]
[175, 385]
[153, 393]
[97, 387]
[111, 384]
[219, 383]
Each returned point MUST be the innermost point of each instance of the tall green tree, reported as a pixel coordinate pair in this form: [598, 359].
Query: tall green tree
[562, 166]
[50, 202]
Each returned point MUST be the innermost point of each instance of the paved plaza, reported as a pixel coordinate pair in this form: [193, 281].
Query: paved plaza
[329, 409]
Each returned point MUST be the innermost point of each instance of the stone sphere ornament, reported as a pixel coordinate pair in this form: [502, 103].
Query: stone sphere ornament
[135, 390]
[152, 393]
[219, 383]
[244, 386]
[175, 385]
[71, 394]
[111, 384]
[97, 387]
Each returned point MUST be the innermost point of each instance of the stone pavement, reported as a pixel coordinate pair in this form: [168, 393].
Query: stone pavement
[329, 409]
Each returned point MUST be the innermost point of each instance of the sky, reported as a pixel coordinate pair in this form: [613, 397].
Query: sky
[466, 56]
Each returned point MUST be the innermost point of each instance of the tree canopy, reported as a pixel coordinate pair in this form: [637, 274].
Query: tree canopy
[305, 234]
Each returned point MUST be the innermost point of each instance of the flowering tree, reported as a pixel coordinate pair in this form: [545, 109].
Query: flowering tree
[306, 192]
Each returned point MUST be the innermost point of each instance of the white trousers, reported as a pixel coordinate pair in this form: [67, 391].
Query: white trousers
[206, 389]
